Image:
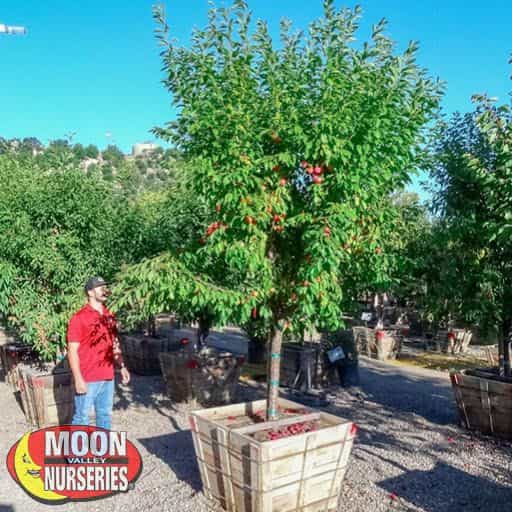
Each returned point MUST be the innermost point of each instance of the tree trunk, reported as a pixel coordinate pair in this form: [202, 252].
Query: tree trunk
[151, 326]
[504, 347]
[203, 331]
[378, 304]
[502, 336]
[274, 369]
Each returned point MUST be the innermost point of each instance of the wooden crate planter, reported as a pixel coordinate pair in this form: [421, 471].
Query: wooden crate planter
[295, 357]
[47, 395]
[196, 379]
[210, 432]
[190, 333]
[387, 345]
[484, 404]
[11, 355]
[457, 341]
[164, 324]
[26, 401]
[377, 344]
[244, 472]
[140, 352]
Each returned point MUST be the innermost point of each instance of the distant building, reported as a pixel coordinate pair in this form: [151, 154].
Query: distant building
[144, 148]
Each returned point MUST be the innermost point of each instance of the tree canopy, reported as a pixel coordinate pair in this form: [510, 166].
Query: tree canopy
[294, 150]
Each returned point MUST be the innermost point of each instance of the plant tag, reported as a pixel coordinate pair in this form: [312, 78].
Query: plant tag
[335, 354]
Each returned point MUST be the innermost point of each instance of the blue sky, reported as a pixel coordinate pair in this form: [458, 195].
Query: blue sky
[93, 67]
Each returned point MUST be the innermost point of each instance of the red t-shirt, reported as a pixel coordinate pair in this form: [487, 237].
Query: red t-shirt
[96, 333]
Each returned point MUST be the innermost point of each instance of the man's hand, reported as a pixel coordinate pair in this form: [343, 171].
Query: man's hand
[80, 386]
[74, 364]
[125, 375]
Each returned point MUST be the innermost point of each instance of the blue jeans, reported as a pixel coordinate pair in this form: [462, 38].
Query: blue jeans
[100, 395]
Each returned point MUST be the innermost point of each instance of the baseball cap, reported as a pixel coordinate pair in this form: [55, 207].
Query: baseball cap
[94, 282]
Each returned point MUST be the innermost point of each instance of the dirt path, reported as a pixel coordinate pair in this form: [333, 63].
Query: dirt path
[410, 454]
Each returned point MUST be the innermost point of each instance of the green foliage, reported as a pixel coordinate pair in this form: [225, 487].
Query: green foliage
[56, 229]
[467, 268]
[25, 146]
[112, 155]
[91, 151]
[279, 239]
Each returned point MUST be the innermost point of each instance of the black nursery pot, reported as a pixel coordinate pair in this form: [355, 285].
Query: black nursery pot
[256, 351]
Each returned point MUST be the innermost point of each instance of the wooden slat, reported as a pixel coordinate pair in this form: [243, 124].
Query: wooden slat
[484, 404]
[24, 394]
[50, 397]
[211, 434]
[293, 473]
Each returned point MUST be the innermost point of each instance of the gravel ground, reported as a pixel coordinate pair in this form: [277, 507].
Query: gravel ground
[409, 455]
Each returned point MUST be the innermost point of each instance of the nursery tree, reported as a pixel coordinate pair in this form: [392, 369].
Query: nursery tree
[474, 204]
[295, 148]
[57, 228]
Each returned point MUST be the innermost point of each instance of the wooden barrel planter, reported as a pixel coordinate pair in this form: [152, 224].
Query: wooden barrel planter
[206, 378]
[140, 352]
[294, 464]
[484, 401]
[47, 395]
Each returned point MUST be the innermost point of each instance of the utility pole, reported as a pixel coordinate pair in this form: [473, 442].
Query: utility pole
[12, 30]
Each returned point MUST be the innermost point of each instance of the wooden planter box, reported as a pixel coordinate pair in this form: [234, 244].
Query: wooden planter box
[47, 398]
[484, 404]
[11, 355]
[387, 345]
[377, 344]
[301, 473]
[211, 430]
[306, 357]
[140, 352]
[189, 380]
[176, 335]
[456, 341]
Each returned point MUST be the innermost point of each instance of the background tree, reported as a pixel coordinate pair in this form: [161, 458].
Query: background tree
[400, 237]
[27, 145]
[462, 276]
[79, 152]
[467, 269]
[91, 151]
[57, 228]
[112, 155]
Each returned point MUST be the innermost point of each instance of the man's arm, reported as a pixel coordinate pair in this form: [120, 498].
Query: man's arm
[119, 362]
[74, 364]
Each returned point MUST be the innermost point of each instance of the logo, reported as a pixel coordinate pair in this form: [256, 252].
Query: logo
[55, 465]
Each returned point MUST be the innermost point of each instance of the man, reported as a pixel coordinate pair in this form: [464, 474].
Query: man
[93, 349]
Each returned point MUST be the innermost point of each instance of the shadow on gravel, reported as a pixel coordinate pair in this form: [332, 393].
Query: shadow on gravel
[6, 508]
[423, 396]
[149, 391]
[177, 451]
[448, 489]
[146, 392]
